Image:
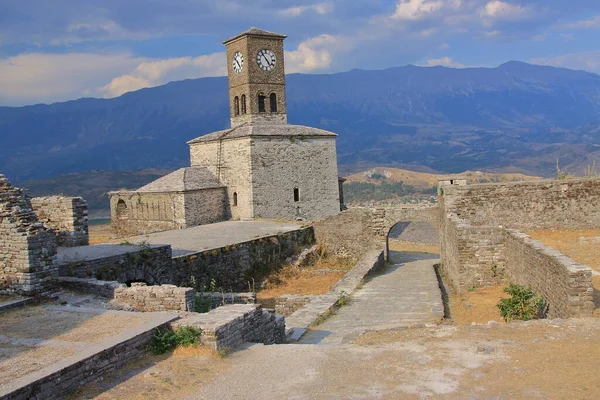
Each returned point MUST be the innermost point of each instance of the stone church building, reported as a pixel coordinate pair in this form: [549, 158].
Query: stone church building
[261, 167]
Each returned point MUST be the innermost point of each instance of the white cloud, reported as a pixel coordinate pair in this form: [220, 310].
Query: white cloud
[497, 9]
[40, 77]
[315, 53]
[158, 72]
[589, 61]
[420, 9]
[321, 8]
[444, 62]
[592, 23]
[444, 46]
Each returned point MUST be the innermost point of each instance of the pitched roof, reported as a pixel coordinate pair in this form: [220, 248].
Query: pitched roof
[182, 180]
[258, 130]
[254, 31]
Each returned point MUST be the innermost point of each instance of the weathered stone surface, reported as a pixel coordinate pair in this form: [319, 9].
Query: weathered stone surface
[27, 247]
[67, 216]
[156, 298]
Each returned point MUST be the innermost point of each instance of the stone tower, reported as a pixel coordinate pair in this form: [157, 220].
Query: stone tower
[256, 78]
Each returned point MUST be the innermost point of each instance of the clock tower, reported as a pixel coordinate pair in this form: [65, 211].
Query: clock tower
[255, 68]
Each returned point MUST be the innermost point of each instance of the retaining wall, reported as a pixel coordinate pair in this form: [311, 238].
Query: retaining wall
[104, 289]
[234, 268]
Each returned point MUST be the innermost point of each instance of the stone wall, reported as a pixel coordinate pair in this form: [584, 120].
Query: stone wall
[27, 247]
[234, 158]
[156, 298]
[67, 216]
[220, 299]
[571, 203]
[234, 268]
[205, 207]
[565, 285]
[289, 303]
[132, 263]
[282, 164]
[230, 326]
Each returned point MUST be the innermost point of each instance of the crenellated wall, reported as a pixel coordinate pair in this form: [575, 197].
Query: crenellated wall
[67, 216]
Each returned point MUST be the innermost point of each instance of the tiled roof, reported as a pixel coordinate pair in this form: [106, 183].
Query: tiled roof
[258, 130]
[254, 31]
[184, 179]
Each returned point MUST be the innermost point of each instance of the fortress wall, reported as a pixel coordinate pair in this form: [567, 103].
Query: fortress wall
[235, 170]
[571, 203]
[67, 216]
[235, 267]
[282, 164]
[565, 285]
[156, 298]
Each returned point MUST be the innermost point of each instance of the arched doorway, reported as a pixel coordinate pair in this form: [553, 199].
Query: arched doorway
[122, 210]
[412, 236]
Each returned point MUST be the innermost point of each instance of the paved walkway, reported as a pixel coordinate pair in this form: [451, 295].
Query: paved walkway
[405, 295]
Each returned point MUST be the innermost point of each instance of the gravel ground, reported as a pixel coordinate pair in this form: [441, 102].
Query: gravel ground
[418, 232]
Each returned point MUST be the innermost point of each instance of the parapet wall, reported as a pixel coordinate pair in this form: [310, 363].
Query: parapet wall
[571, 203]
[67, 216]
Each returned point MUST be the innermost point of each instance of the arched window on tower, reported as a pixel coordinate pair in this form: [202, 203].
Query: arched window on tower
[122, 210]
[234, 199]
[261, 103]
[296, 195]
[236, 105]
[243, 104]
[273, 100]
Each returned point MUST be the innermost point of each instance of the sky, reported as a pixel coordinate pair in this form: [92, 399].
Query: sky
[57, 50]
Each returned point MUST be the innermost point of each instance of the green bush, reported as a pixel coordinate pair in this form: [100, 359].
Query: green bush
[163, 341]
[524, 304]
[202, 304]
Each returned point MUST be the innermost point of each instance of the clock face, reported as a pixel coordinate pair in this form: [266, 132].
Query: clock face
[237, 62]
[265, 60]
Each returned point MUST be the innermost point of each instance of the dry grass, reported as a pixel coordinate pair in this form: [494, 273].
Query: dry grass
[316, 279]
[400, 245]
[580, 244]
[477, 306]
[17, 361]
[100, 233]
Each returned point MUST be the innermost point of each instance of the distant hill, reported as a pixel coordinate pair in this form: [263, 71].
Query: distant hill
[382, 183]
[92, 186]
[513, 118]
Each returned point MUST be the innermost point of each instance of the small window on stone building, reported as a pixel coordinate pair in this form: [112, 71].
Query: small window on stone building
[243, 104]
[121, 210]
[273, 100]
[235, 198]
[261, 103]
[236, 105]
[296, 194]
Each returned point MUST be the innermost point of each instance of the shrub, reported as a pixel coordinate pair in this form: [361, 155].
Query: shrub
[163, 341]
[524, 304]
[202, 304]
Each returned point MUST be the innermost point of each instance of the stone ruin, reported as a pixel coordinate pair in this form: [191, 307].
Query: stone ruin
[31, 229]
[27, 246]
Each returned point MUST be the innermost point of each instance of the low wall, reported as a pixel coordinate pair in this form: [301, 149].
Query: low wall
[565, 285]
[104, 289]
[234, 268]
[156, 298]
[148, 263]
[230, 326]
[289, 303]
[220, 299]
[67, 216]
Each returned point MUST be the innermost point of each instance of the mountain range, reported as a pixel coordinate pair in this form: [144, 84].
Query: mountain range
[516, 117]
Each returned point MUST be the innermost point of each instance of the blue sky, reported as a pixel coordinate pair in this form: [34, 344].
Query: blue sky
[64, 49]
